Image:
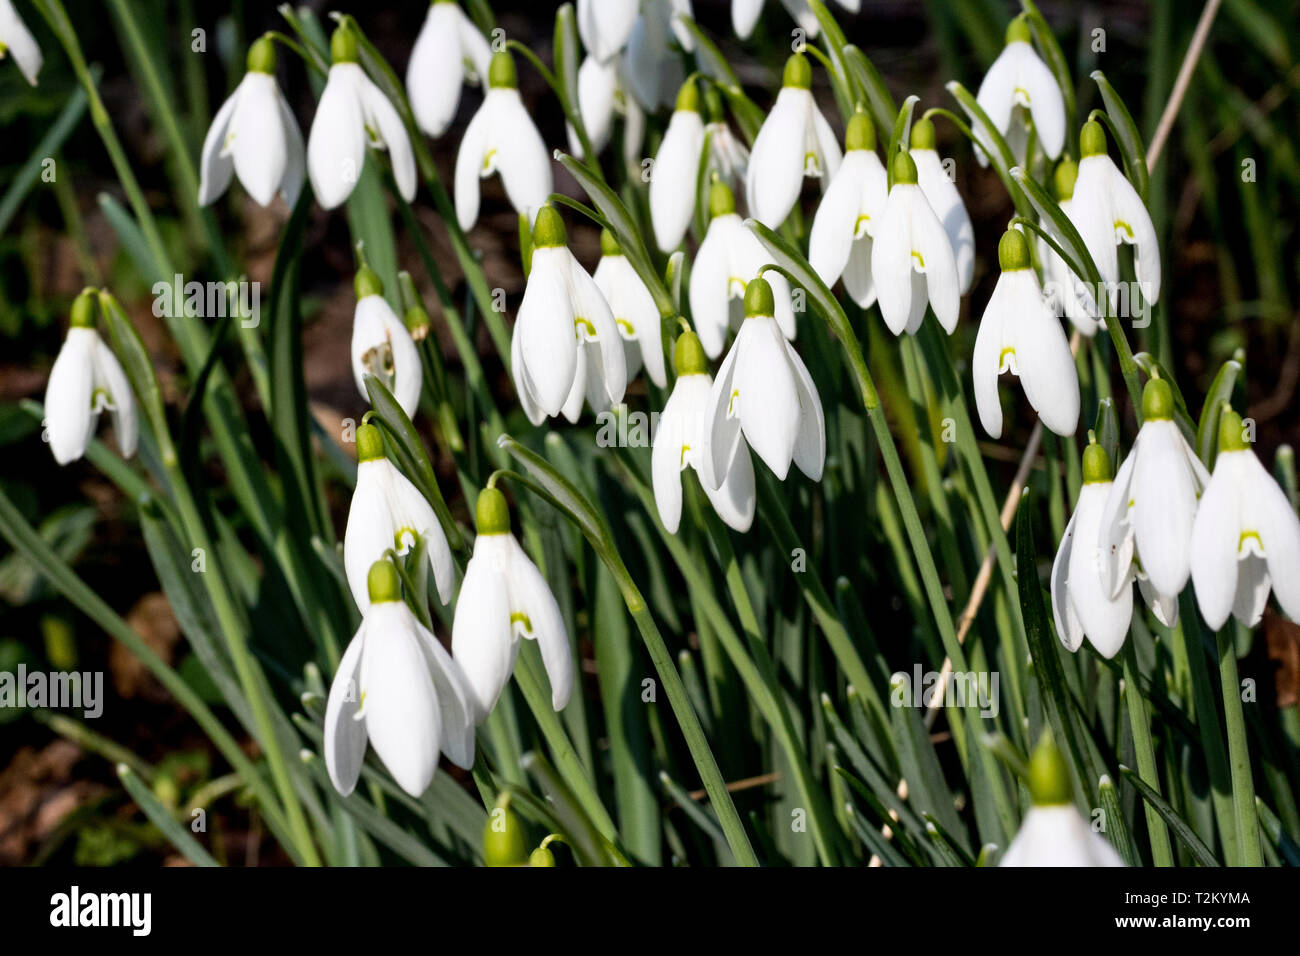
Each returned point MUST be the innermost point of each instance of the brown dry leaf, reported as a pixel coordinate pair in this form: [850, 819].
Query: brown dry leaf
[152, 618]
[1283, 640]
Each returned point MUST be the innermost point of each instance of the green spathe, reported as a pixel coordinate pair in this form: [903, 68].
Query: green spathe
[861, 133]
[688, 98]
[923, 135]
[609, 244]
[722, 202]
[1018, 30]
[758, 299]
[261, 55]
[492, 515]
[1063, 180]
[367, 283]
[343, 45]
[83, 310]
[1013, 251]
[1096, 465]
[383, 583]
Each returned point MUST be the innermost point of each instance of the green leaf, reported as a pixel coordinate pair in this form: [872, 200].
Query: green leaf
[899, 137]
[1207, 429]
[1056, 62]
[1177, 824]
[879, 100]
[177, 835]
[1126, 131]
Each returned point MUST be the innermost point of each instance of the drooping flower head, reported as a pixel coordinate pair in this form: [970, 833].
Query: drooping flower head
[382, 346]
[676, 169]
[633, 309]
[449, 50]
[1018, 88]
[1066, 292]
[605, 26]
[941, 193]
[15, 38]
[850, 214]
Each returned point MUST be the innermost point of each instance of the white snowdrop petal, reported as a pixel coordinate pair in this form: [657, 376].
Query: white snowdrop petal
[547, 339]
[470, 158]
[455, 700]
[433, 76]
[481, 639]
[946, 201]
[672, 179]
[522, 159]
[744, 16]
[69, 417]
[344, 737]
[336, 146]
[1166, 505]
[1214, 542]
[671, 443]
[720, 438]
[709, 292]
[392, 134]
[767, 398]
[986, 360]
[531, 595]
[835, 223]
[15, 35]
[216, 166]
[110, 377]
[776, 162]
[810, 442]
[295, 164]
[1046, 104]
[1279, 529]
[1133, 224]
[258, 144]
[1044, 360]
[891, 259]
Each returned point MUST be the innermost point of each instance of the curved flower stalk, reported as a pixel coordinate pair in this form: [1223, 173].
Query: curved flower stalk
[1019, 83]
[565, 343]
[676, 167]
[1107, 210]
[599, 92]
[763, 394]
[1019, 334]
[912, 262]
[388, 512]
[1053, 832]
[850, 213]
[679, 443]
[502, 598]
[15, 38]
[1066, 292]
[941, 193]
[255, 136]
[502, 138]
[606, 25]
[1147, 521]
[1246, 537]
[399, 690]
[382, 346]
[633, 309]
[449, 50]
[794, 142]
[1081, 606]
[86, 379]
[652, 67]
[729, 259]
[353, 114]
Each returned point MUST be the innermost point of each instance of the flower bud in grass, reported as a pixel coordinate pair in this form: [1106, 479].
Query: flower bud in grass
[763, 394]
[565, 343]
[728, 259]
[502, 138]
[542, 856]
[255, 136]
[352, 114]
[399, 689]
[912, 261]
[502, 598]
[679, 443]
[382, 346]
[448, 50]
[633, 309]
[1018, 333]
[1146, 524]
[1246, 537]
[505, 840]
[605, 26]
[15, 38]
[849, 215]
[941, 193]
[1019, 82]
[676, 166]
[86, 379]
[795, 141]
[1070, 294]
[1053, 832]
[387, 511]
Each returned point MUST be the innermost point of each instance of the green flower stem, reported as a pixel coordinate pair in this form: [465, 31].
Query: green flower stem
[1243, 784]
[1161, 849]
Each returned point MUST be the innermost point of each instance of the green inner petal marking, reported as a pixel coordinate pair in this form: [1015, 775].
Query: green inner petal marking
[919, 258]
[1005, 352]
[580, 323]
[487, 159]
[626, 326]
[731, 402]
[1121, 224]
[1246, 536]
[518, 617]
[685, 449]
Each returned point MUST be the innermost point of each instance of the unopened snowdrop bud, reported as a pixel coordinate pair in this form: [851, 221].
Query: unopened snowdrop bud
[850, 213]
[542, 857]
[679, 443]
[504, 597]
[1246, 538]
[795, 141]
[941, 192]
[763, 394]
[86, 379]
[414, 317]
[15, 38]
[605, 26]
[505, 838]
[382, 346]
[1069, 294]
[633, 309]
[388, 512]
[398, 689]
[1147, 521]
[449, 50]
[1053, 832]
[1107, 210]
[912, 261]
[255, 136]
[352, 114]
[1019, 334]
[502, 138]
[1081, 606]
[566, 344]
[676, 166]
[1019, 83]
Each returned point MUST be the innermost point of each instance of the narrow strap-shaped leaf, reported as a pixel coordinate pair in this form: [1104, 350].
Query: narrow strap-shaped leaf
[161, 817]
[1177, 824]
[1126, 131]
[1056, 62]
[879, 100]
[1207, 429]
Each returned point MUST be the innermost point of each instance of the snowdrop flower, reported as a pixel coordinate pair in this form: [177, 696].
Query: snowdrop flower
[449, 48]
[744, 15]
[850, 214]
[255, 136]
[86, 379]
[633, 309]
[764, 394]
[352, 114]
[1151, 507]
[605, 26]
[729, 258]
[398, 689]
[1246, 537]
[795, 141]
[565, 343]
[1019, 82]
[1019, 334]
[651, 66]
[388, 512]
[941, 193]
[676, 167]
[1081, 606]
[679, 443]
[728, 155]
[17, 39]
[598, 97]
[1066, 291]
[1053, 832]
[503, 597]
[1107, 210]
[502, 137]
[382, 346]
[911, 259]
